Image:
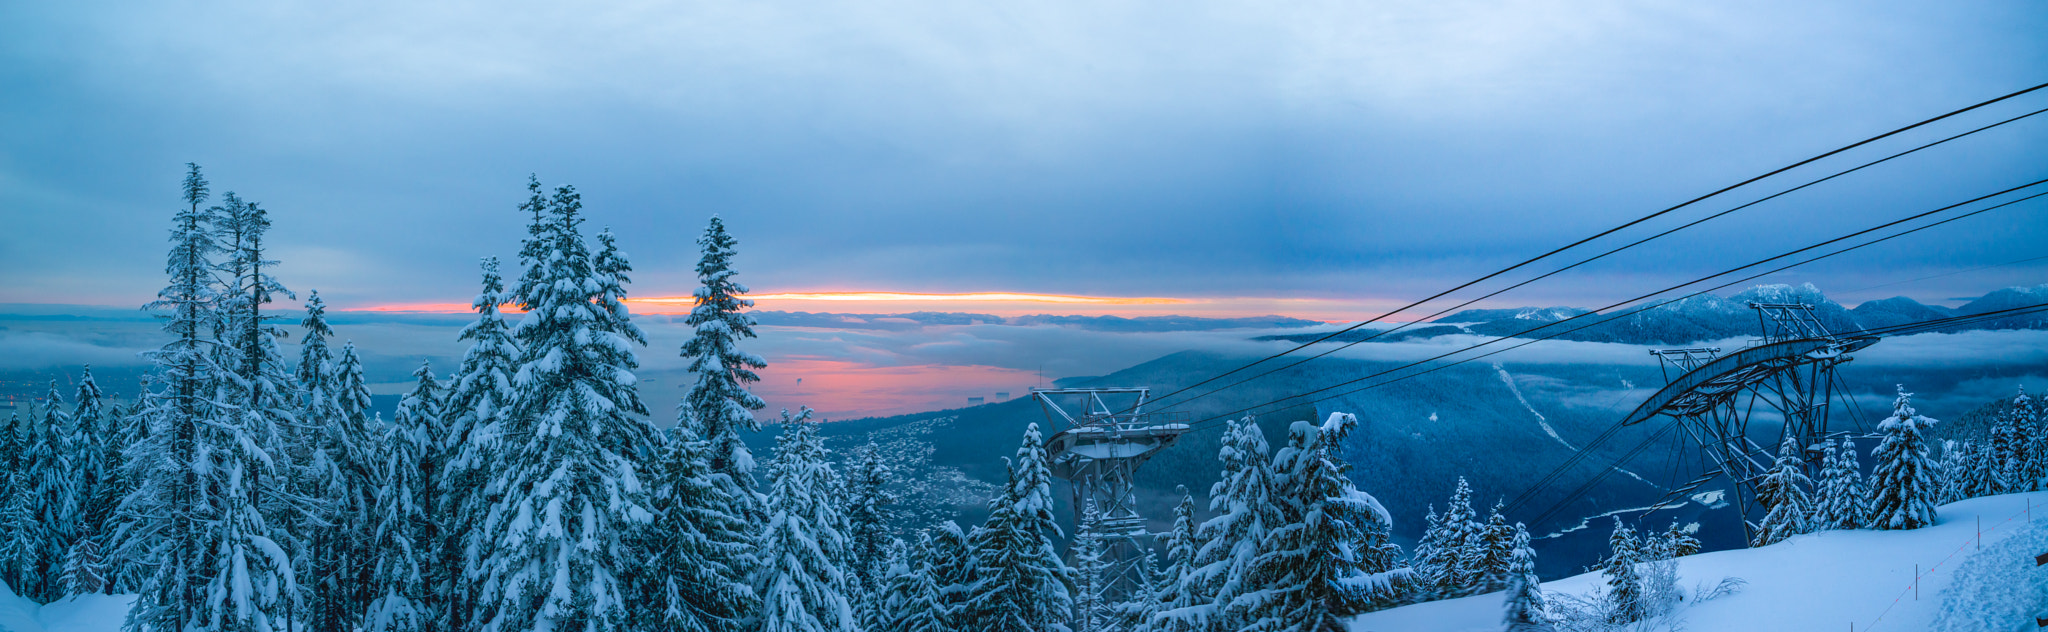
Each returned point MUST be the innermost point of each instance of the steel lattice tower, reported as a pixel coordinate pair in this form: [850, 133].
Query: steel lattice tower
[1098, 452]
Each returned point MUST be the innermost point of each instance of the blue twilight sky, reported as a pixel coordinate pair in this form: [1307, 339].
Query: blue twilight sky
[1360, 151]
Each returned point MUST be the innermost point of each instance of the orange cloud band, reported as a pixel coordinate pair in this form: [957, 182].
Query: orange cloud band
[1006, 297]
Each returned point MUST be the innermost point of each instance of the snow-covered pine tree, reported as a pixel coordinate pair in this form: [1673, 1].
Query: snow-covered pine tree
[1141, 604]
[1246, 516]
[2002, 456]
[96, 460]
[1023, 585]
[17, 527]
[1490, 552]
[912, 602]
[696, 542]
[535, 249]
[2031, 447]
[1442, 557]
[802, 579]
[1958, 471]
[954, 570]
[327, 443]
[85, 571]
[1857, 508]
[563, 535]
[1091, 573]
[1680, 542]
[1902, 488]
[869, 511]
[258, 388]
[195, 516]
[1177, 591]
[343, 467]
[718, 406]
[45, 501]
[1784, 491]
[479, 401]
[403, 534]
[164, 530]
[1331, 556]
[1524, 593]
[1983, 477]
[1624, 584]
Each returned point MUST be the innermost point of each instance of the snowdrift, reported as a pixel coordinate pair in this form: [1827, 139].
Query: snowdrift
[84, 613]
[1828, 580]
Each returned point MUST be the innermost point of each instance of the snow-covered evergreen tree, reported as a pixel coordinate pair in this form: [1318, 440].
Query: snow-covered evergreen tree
[2002, 455]
[954, 570]
[1023, 585]
[912, 602]
[1679, 542]
[563, 534]
[1784, 491]
[404, 536]
[1442, 559]
[331, 445]
[1490, 552]
[1091, 573]
[2030, 447]
[1948, 473]
[85, 571]
[697, 542]
[718, 407]
[1902, 485]
[96, 461]
[802, 580]
[1624, 583]
[1231, 540]
[1177, 591]
[1842, 493]
[1331, 556]
[869, 512]
[43, 504]
[192, 518]
[1524, 593]
[258, 390]
[479, 402]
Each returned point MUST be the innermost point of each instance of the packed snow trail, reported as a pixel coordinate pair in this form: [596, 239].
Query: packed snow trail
[1818, 581]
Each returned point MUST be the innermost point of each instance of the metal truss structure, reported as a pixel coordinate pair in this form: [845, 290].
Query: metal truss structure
[1787, 376]
[1098, 450]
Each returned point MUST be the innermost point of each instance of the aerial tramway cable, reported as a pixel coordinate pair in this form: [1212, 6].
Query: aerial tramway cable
[1604, 233]
[1568, 268]
[1609, 317]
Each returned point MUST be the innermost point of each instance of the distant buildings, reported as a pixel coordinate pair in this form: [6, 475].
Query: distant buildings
[974, 401]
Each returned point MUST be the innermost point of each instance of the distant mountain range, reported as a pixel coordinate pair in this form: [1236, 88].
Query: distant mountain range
[1708, 317]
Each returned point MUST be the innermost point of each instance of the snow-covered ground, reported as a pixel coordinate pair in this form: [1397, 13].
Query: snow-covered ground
[1821, 581]
[88, 613]
[1829, 580]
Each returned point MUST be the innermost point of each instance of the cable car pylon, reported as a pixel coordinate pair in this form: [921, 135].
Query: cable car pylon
[1102, 440]
[1787, 375]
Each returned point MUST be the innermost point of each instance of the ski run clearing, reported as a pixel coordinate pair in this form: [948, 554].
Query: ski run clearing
[1828, 580]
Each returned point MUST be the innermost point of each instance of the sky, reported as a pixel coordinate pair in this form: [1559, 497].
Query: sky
[1320, 159]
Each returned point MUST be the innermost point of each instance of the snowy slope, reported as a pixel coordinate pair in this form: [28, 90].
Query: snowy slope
[86, 613]
[1822, 581]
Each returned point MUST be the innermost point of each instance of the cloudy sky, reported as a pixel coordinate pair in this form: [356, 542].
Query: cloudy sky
[1238, 155]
